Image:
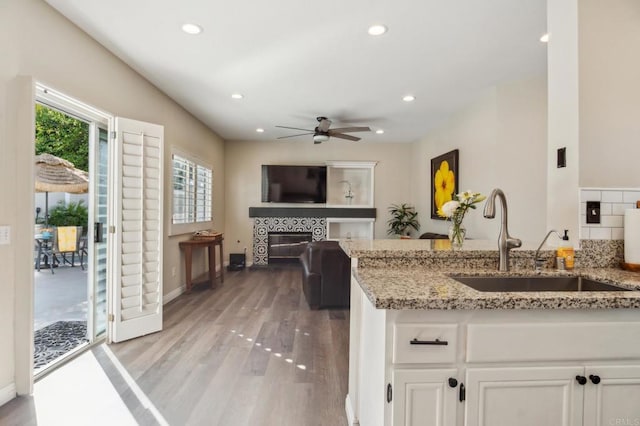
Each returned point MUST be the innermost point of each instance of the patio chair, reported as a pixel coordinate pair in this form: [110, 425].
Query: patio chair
[66, 242]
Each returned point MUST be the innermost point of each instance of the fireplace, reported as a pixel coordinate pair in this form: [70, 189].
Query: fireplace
[264, 226]
[285, 247]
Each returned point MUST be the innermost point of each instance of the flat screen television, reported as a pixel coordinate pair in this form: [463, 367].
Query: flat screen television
[294, 184]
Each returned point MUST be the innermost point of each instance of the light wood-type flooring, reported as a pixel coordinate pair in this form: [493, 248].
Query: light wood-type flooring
[249, 352]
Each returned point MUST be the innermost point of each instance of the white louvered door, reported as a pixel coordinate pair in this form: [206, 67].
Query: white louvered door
[137, 241]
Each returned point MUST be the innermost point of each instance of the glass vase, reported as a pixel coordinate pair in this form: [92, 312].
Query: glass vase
[456, 235]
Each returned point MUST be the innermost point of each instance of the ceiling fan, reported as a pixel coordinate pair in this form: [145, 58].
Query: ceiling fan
[322, 132]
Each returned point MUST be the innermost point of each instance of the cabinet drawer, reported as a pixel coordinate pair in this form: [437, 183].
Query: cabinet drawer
[553, 341]
[420, 343]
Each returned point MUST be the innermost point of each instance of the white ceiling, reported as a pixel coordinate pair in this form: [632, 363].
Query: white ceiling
[296, 59]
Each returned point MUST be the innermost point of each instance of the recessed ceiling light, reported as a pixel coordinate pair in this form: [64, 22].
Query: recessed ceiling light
[260, 130]
[408, 98]
[379, 131]
[376, 30]
[237, 96]
[545, 38]
[192, 29]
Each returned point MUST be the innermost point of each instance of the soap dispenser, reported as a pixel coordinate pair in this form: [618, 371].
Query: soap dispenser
[566, 251]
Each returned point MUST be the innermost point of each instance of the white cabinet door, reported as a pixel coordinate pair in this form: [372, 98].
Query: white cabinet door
[424, 397]
[524, 396]
[612, 395]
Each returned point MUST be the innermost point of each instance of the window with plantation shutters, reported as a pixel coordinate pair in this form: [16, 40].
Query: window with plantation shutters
[192, 186]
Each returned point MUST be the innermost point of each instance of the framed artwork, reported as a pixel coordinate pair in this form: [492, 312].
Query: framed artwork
[444, 180]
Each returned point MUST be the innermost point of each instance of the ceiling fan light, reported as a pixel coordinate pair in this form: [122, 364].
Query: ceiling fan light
[260, 130]
[320, 138]
[379, 132]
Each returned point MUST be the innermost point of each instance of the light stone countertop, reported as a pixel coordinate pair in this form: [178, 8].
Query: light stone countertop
[415, 274]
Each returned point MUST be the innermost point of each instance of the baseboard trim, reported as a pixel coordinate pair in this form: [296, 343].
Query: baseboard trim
[351, 417]
[7, 393]
[173, 294]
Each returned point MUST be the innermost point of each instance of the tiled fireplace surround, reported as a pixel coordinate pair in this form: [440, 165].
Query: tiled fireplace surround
[295, 219]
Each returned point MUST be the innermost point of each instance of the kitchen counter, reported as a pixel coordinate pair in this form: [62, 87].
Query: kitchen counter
[415, 274]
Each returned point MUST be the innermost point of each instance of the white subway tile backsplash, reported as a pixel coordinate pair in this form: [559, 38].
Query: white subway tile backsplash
[619, 208]
[590, 195]
[613, 203]
[600, 234]
[584, 233]
[612, 221]
[631, 197]
[617, 233]
[612, 196]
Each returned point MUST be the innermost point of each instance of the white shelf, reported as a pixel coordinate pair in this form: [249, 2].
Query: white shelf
[350, 183]
[349, 228]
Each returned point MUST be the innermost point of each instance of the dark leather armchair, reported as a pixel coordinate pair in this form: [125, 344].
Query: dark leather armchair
[326, 274]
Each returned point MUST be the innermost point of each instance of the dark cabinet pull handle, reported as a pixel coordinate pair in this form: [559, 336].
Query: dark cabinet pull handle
[463, 393]
[452, 382]
[389, 392]
[594, 379]
[436, 342]
[581, 380]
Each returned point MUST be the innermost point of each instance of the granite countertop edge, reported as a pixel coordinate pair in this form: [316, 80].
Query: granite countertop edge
[429, 288]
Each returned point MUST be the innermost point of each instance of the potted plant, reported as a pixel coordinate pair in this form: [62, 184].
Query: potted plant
[403, 217]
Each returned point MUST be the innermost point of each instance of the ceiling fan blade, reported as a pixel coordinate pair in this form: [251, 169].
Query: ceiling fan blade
[350, 129]
[293, 136]
[295, 128]
[343, 136]
[324, 124]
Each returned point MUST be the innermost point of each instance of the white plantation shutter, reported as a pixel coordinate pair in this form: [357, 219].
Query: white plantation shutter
[137, 303]
[192, 186]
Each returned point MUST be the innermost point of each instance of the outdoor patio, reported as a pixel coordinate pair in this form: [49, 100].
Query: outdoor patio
[60, 312]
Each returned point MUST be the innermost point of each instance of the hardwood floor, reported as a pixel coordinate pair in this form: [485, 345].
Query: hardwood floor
[249, 352]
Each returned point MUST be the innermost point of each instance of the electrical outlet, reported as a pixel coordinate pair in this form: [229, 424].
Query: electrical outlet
[173, 271]
[593, 212]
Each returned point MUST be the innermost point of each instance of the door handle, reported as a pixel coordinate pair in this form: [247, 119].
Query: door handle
[97, 232]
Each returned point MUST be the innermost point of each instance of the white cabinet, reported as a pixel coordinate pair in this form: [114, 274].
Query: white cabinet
[519, 367]
[612, 395]
[350, 183]
[425, 397]
[524, 396]
[564, 395]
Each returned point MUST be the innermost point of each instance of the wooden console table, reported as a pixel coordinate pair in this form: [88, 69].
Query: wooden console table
[188, 246]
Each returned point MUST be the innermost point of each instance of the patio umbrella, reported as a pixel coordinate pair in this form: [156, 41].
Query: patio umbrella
[54, 174]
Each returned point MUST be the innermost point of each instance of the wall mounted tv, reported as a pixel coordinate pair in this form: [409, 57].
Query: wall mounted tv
[294, 184]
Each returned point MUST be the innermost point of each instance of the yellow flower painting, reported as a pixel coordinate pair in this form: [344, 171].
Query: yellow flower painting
[444, 181]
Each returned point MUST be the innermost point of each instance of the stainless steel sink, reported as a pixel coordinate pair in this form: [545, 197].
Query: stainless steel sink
[538, 283]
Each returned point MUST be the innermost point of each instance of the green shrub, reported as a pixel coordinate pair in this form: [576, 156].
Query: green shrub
[72, 214]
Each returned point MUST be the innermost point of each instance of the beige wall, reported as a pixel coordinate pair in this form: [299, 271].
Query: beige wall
[609, 63]
[36, 41]
[502, 143]
[393, 178]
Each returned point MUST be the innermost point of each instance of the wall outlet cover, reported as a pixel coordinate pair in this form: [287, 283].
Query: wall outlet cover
[593, 212]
